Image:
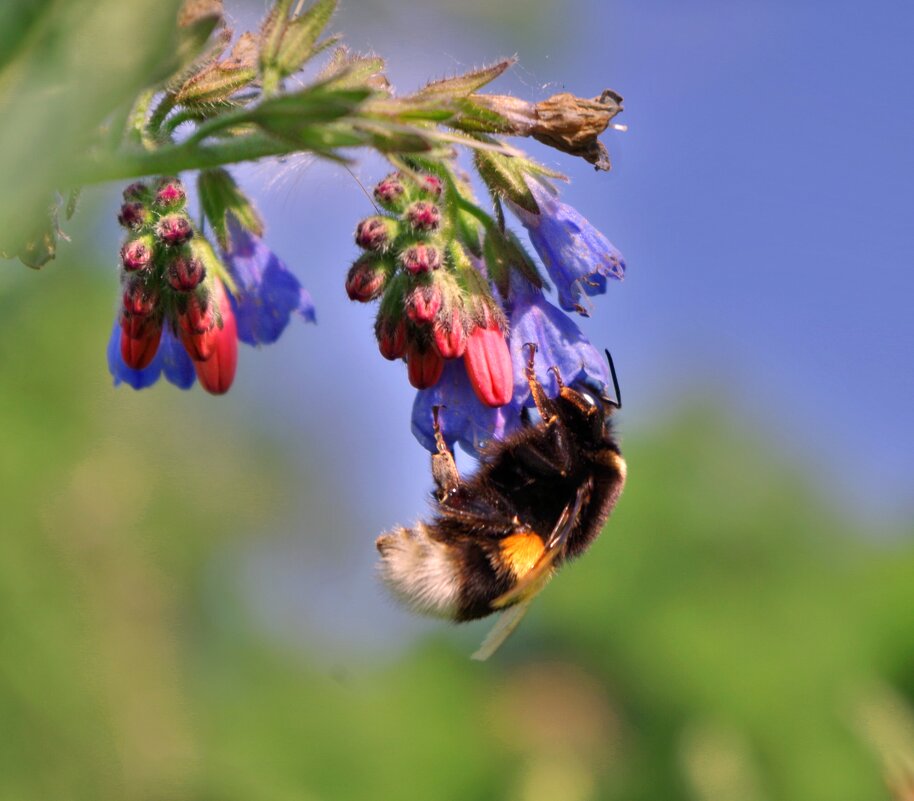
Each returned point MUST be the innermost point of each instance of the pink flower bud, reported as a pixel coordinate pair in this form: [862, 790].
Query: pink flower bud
[133, 215]
[136, 191]
[423, 216]
[423, 366]
[138, 351]
[390, 191]
[450, 337]
[423, 303]
[366, 279]
[139, 300]
[136, 254]
[391, 338]
[174, 229]
[488, 364]
[217, 372]
[171, 195]
[420, 259]
[374, 233]
[431, 185]
[185, 272]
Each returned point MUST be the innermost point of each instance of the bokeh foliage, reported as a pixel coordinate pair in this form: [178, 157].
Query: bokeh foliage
[728, 637]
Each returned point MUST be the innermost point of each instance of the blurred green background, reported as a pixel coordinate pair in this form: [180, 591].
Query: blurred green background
[187, 606]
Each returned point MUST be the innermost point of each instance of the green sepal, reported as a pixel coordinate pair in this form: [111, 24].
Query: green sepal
[217, 81]
[463, 85]
[219, 197]
[504, 177]
[299, 39]
[503, 254]
[203, 250]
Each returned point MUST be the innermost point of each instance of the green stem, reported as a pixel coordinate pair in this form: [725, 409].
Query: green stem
[178, 158]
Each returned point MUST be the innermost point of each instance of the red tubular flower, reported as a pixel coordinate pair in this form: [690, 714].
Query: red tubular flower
[450, 336]
[391, 338]
[488, 363]
[196, 326]
[140, 338]
[424, 366]
[217, 372]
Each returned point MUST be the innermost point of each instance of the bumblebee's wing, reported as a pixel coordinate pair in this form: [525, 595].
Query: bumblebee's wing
[503, 628]
[536, 579]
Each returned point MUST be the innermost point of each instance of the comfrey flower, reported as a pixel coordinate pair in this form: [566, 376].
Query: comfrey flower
[576, 255]
[464, 419]
[266, 293]
[560, 344]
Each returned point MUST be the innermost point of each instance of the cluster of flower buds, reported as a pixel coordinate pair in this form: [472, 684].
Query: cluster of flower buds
[435, 302]
[170, 280]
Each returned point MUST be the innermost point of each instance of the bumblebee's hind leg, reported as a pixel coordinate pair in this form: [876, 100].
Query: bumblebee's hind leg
[444, 468]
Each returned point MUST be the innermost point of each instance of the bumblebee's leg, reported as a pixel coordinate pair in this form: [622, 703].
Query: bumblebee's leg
[544, 405]
[444, 469]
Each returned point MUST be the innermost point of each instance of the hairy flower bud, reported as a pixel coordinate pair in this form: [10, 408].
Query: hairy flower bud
[391, 337]
[375, 233]
[366, 279]
[171, 195]
[185, 272]
[420, 258]
[217, 372]
[136, 191]
[431, 186]
[488, 364]
[140, 337]
[424, 366]
[136, 254]
[423, 216]
[422, 303]
[174, 229]
[389, 192]
[133, 214]
[139, 299]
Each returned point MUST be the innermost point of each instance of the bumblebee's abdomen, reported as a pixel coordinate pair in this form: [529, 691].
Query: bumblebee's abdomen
[458, 578]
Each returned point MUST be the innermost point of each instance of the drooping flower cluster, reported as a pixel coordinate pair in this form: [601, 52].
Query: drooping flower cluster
[183, 308]
[435, 303]
[428, 278]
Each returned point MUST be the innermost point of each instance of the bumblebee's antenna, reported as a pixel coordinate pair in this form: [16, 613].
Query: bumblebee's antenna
[617, 403]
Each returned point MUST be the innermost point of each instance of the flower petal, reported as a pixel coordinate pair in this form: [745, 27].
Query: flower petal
[464, 419]
[267, 291]
[576, 255]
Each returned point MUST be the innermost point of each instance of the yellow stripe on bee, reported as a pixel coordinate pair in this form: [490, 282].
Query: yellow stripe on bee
[522, 551]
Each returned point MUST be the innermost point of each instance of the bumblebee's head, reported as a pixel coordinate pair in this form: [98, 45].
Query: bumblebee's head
[587, 409]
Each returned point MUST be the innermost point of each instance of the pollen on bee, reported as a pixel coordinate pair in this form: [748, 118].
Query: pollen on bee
[521, 551]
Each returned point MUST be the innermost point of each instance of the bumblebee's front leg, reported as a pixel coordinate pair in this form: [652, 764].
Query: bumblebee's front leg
[444, 469]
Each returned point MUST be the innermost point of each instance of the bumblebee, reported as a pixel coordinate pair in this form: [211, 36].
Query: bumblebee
[539, 497]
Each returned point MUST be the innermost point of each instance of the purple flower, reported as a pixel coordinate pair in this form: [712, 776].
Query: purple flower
[171, 358]
[267, 292]
[577, 256]
[559, 344]
[464, 419]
